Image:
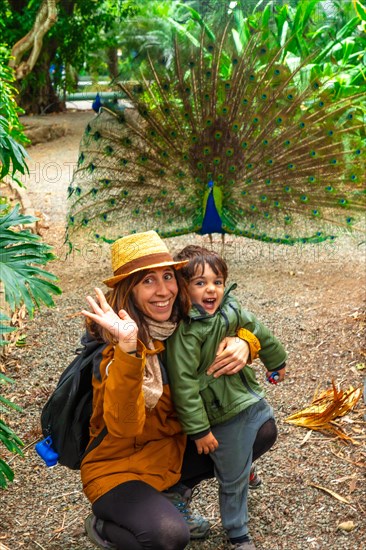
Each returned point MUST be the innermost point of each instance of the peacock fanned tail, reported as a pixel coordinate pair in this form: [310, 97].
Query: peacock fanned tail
[273, 152]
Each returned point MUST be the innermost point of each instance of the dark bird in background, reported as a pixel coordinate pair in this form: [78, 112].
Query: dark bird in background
[224, 142]
[97, 103]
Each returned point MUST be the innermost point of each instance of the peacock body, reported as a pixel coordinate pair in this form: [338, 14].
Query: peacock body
[225, 141]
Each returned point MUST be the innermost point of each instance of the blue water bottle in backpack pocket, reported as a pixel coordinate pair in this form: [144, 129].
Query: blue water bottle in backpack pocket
[46, 452]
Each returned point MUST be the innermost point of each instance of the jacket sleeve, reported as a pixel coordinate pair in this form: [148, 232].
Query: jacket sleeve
[271, 353]
[183, 351]
[123, 400]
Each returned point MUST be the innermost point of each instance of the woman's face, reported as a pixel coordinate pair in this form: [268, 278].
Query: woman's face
[155, 294]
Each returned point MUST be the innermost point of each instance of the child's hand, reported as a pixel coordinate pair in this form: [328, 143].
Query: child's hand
[207, 444]
[281, 375]
[121, 326]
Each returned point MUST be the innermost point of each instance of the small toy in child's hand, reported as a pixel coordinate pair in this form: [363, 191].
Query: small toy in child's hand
[273, 377]
[46, 452]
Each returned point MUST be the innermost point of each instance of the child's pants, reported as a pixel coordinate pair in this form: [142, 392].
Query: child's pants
[233, 459]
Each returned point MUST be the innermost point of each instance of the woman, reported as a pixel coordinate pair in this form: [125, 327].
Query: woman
[141, 456]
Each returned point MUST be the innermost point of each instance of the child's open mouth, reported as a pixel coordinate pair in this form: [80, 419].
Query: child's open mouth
[209, 304]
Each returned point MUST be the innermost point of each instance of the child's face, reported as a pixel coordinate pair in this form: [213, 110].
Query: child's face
[207, 289]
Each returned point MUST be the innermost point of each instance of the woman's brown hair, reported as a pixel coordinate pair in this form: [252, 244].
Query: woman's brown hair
[121, 297]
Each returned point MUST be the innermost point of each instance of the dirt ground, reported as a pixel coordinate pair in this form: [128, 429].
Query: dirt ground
[312, 297]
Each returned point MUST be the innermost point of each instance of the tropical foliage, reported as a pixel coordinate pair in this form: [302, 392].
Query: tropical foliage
[21, 251]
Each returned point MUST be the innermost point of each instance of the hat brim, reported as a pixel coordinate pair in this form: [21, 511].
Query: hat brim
[112, 281]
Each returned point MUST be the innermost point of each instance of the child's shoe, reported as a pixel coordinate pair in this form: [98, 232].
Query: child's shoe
[254, 479]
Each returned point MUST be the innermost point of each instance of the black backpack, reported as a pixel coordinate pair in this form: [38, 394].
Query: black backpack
[66, 415]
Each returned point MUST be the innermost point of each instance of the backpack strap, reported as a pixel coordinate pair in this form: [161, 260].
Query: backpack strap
[95, 442]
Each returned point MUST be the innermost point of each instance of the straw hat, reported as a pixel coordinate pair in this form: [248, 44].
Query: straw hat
[137, 252]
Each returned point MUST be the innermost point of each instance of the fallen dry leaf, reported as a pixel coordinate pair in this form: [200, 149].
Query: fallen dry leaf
[325, 408]
[330, 492]
[346, 526]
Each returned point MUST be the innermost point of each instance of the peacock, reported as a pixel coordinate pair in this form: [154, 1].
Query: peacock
[226, 140]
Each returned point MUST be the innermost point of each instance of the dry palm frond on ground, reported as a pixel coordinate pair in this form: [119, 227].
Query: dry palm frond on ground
[326, 406]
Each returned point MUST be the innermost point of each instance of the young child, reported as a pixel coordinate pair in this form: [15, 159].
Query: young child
[226, 415]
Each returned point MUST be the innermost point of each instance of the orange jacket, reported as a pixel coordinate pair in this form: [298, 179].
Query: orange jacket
[140, 444]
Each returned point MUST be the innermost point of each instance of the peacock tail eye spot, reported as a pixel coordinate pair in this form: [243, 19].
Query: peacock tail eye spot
[94, 191]
[287, 220]
[244, 144]
[124, 162]
[191, 63]
[312, 153]
[229, 152]
[143, 158]
[302, 124]
[334, 161]
[277, 204]
[249, 166]
[208, 74]
[350, 116]
[96, 136]
[78, 191]
[198, 180]
[97, 236]
[315, 213]
[166, 86]
[253, 207]
[182, 210]
[227, 85]
[358, 152]
[211, 48]
[148, 200]
[277, 72]
[186, 116]
[329, 188]
[216, 161]
[235, 127]
[290, 97]
[244, 193]
[267, 181]
[181, 189]
[316, 85]
[126, 142]
[235, 61]
[263, 198]
[161, 172]
[290, 166]
[141, 179]
[252, 77]
[265, 142]
[230, 181]
[342, 202]
[270, 162]
[287, 142]
[91, 167]
[224, 110]
[181, 174]
[287, 189]
[245, 101]
[209, 176]
[330, 132]
[112, 202]
[349, 221]
[81, 159]
[279, 120]
[207, 97]
[218, 135]
[311, 179]
[173, 133]
[200, 165]
[70, 191]
[304, 198]
[166, 110]
[353, 177]
[249, 181]
[152, 133]
[187, 90]
[125, 193]
[171, 204]
[220, 177]
[208, 122]
[321, 103]
[266, 215]
[85, 221]
[164, 154]
[255, 120]
[108, 150]
[194, 139]
[232, 168]
[163, 192]
[136, 211]
[104, 217]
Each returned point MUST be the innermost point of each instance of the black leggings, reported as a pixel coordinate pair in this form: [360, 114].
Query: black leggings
[137, 517]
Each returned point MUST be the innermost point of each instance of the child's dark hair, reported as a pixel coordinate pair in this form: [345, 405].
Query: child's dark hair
[198, 256]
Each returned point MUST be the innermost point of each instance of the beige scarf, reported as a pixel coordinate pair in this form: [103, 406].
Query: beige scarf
[152, 385]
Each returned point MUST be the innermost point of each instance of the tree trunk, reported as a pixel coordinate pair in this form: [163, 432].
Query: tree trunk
[36, 91]
[112, 57]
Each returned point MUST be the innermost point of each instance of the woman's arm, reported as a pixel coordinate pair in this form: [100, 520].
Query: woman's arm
[233, 353]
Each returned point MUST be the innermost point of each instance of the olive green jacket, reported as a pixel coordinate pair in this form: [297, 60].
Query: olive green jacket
[200, 400]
